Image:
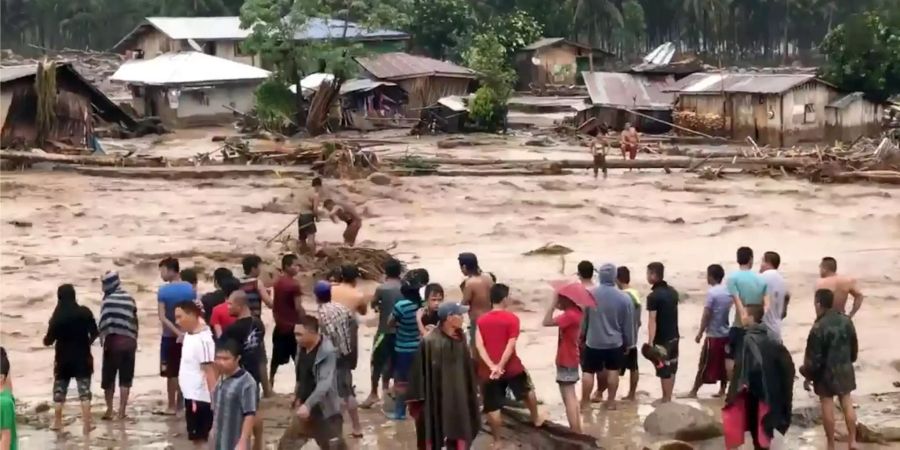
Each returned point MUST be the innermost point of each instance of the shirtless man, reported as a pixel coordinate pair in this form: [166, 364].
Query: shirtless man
[347, 294]
[476, 289]
[308, 215]
[346, 212]
[629, 142]
[842, 286]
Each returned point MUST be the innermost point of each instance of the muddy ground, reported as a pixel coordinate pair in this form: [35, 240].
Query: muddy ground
[72, 228]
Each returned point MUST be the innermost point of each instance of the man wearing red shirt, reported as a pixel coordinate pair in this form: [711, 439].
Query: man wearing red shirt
[286, 310]
[567, 354]
[500, 368]
[221, 319]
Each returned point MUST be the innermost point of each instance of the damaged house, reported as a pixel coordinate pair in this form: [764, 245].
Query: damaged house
[191, 88]
[550, 61]
[424, 79]
[779, 110]
[620, 98]
[77, 106]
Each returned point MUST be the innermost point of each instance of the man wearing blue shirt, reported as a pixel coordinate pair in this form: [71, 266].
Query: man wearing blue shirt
[747, 288]
[173, 292]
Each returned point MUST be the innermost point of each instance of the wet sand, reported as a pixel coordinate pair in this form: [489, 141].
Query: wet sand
[82, 226]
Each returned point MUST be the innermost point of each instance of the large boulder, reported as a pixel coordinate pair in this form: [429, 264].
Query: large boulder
[683, 422]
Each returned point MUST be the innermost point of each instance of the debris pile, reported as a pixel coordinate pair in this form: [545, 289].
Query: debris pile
[95, 66]
[705, 123]
[333, 159]
[866, 159]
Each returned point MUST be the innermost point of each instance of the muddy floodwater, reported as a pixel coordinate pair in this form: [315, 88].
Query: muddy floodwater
[72, 228]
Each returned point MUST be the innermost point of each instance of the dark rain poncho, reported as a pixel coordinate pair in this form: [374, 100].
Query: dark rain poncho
[443, 379]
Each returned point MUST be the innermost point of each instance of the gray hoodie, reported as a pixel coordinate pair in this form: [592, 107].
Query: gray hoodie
[611, 323]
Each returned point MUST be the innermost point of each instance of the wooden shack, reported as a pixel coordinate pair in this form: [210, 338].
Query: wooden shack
[557, 61]
[76, 107]
[851, 116]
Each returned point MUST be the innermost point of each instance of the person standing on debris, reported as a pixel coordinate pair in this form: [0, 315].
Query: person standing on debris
[476, 290]
[235, 400]
[197, 374]
[173, 292]
[608, 333]
[442, 395]
[831, 350]
[629, 142]
[346, 212]
[308, 216]
[118, 335]
[386, 295]
[339, 325]
[72, 330]
[500, 368]
[777, 291]
[662, 326]
[287, 308]
[841, 286]
[257, 295]
[599, 157]
[714, 323]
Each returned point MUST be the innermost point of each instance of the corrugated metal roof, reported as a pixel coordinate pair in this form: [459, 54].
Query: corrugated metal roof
[363, 85]
[11, 73]
[401, 66]
[845, 101]
[454, 102]
[229, 28]
[661, 55]
[626, 90]
[186, 68]
[544, 42]
[746, 83]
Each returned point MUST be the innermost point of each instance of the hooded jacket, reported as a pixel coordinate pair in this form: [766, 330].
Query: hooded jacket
[610, 324]
[325, 394]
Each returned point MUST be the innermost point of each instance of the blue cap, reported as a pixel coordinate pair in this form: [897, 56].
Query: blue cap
[448, 309]
[322, 289]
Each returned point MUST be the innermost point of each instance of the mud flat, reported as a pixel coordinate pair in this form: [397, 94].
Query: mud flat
[83, 225]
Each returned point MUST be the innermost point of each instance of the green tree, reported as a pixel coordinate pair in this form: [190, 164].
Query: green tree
[864, 55]
[437, 26]
[487, 56]
[634, 28]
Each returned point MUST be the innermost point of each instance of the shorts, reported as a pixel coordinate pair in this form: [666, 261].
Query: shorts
[344, 378]
[382, 356]
[630, 362]
[61, 388]
[630, 149]
[403, 365]
[199, 419]
[494, 391]
[306, 225]
[284, 347]
[712, 360]
[669, 367]
[567, 375]
[735, 342]
[169, 357]
[117, 361]
[598, 360]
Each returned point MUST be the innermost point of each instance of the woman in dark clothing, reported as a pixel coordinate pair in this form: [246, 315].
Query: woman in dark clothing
[72, 330]
[427, 317]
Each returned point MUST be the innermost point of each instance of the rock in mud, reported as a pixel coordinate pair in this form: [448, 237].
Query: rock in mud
[21, 223]
[877, 434]
[380, 179]
[670, 445]
[806, 415]
[553, 185]
[683, 422]
[41, 408]
[541, 142]
[549, 249]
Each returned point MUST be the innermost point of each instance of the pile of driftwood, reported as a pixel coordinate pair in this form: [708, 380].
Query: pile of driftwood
[706, 123]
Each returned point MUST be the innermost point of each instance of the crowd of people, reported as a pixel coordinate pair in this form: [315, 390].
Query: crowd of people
[214, 359]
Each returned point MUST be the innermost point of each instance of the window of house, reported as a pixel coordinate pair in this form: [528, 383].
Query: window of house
[209, 47]
[809, 113]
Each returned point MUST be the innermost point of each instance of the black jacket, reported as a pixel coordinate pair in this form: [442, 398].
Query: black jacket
[766, 370]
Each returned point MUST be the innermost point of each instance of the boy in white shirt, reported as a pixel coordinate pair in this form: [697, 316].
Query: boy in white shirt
[197, 374]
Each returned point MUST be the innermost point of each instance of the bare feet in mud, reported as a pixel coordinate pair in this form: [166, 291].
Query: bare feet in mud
[610, 405]
[630, 397]
[691, 394]
[56, 426]
[369, 402]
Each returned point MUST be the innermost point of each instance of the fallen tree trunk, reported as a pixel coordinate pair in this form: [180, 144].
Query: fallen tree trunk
[656, 163]
[878, 176]
[519, 431]
[86, 160]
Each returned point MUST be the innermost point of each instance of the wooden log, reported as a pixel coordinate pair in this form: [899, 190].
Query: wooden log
[86, 160]
[655, 163]
[877, 176]
[519, 431]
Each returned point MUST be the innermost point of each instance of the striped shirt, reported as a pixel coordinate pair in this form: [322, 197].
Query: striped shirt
[336, 320]
[118, 315]
[235, 397]
[407, 329]
[250, 286]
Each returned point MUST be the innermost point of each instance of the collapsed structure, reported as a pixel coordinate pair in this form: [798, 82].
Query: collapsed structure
[558, 61]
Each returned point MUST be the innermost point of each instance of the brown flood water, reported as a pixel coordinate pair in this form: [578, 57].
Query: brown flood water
[83, 226]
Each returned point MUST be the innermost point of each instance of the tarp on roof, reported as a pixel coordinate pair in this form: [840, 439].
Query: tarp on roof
[745, 83]
[626, 90]
[401, 66]
[101, 104]
[186, 68]
[229, 28]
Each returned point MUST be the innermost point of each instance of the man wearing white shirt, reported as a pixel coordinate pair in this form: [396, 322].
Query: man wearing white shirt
[197, 374]
[777, 291]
